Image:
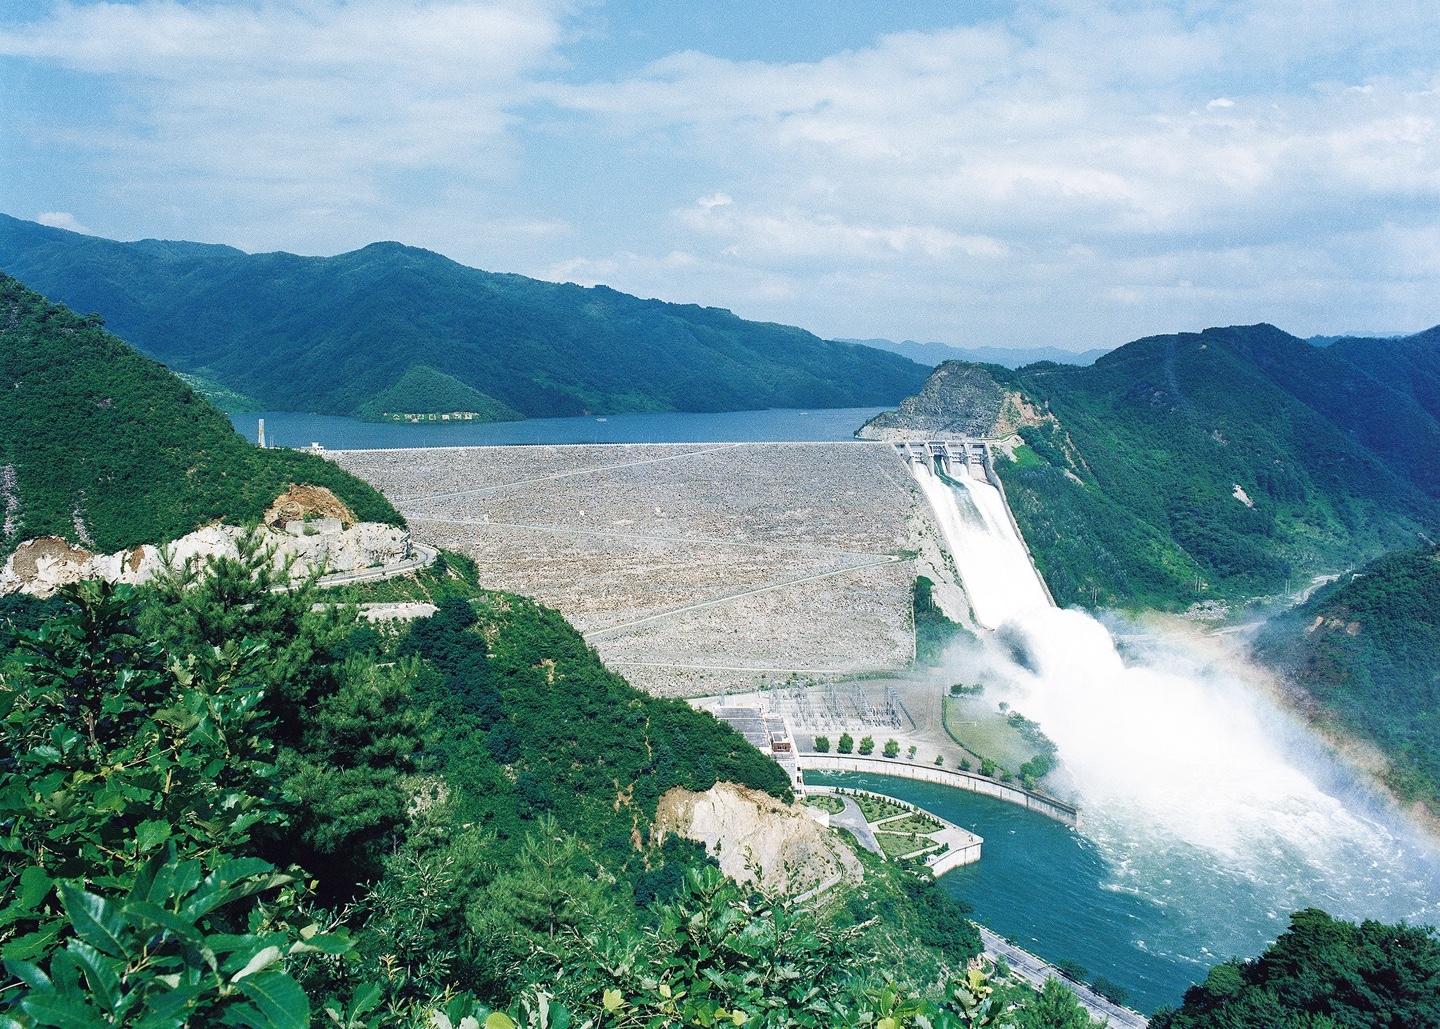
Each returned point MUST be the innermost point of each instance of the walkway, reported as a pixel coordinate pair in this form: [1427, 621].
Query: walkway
[422, 557]
[1035, 971]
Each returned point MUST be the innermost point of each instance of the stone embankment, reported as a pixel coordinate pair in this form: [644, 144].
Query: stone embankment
[1036, 971]
[1046, 806]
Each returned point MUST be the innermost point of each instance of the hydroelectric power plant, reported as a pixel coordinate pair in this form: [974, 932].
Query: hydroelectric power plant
[1209, 813]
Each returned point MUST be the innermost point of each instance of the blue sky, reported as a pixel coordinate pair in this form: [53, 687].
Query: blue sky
[1074, 174]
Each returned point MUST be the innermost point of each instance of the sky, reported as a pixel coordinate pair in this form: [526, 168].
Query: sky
[1073, 174]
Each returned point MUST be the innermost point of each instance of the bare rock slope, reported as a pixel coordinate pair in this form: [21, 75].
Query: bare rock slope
[758, 839]
[958, 400]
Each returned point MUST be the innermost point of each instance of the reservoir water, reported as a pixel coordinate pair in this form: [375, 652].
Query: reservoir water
[293, 429]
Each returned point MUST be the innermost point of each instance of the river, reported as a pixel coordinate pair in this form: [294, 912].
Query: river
[1154, 923]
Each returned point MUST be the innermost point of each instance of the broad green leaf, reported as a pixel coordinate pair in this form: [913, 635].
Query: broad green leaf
[265, 957]
[278, 998]
[365, 998]
[327, 943]
[61, 1012]
[30, 975]
[95, 919]
[150, 834]
[100, 972]
[34, 886]
[32, 945]
[499, 1020]
[166, 1009]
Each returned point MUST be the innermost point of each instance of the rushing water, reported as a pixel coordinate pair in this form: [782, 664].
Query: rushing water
[1210, 814]
[292, 429]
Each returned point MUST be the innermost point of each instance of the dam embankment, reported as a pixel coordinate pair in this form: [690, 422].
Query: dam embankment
[693, 568]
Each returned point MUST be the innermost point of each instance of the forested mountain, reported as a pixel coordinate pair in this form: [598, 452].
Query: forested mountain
[105, 447]
[934, 354]
[1367, 649]
[1218, 464]
[330, 335]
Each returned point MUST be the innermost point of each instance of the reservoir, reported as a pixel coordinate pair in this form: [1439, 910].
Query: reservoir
[295, 429]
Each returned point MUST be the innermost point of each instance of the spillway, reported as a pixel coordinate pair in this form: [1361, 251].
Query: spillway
[988, 553]
[1202, 796]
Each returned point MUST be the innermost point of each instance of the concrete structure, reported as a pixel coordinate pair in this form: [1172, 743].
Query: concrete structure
[766, 733]
[942, 776]
[969, 457]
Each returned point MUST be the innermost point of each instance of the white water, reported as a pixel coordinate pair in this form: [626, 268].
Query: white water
[1189, 775]
[986, 549]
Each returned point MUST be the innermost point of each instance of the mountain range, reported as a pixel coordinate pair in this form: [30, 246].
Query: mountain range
[353, 333]
[1206, 465]
[933, 354]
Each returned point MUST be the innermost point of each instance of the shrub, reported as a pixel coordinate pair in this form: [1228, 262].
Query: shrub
[911, 752]
[987, 767]
[939, 759]
[867, 745]
[822, 744]
[892, 748]
[964, 764]
[847, 743]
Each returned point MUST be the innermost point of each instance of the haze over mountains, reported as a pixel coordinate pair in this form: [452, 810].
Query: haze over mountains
[332, 335]
[933, 354]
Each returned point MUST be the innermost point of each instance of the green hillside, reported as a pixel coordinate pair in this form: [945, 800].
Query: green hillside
[1367, 649]
[109, 449]
[1333, 451]
[330, 335]
[422, 390]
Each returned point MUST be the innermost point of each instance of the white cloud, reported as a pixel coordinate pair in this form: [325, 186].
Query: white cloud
[62, 220]
[1079, 172]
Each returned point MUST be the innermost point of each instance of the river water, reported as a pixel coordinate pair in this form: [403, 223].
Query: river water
[292, 429]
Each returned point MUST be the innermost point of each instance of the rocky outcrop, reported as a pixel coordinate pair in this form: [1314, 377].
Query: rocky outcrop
[758, 839]
[959, 400]
[301, 502]
[40, 567]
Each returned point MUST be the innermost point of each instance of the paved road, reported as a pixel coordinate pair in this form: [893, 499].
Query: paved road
[422, 558]
[1035, 971]
[852, 819]
[712, 602]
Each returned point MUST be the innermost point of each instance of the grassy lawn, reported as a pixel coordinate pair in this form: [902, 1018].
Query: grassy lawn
[983, 731]
[876, 808]
[897, 845]
[832, 805]
[914, 822]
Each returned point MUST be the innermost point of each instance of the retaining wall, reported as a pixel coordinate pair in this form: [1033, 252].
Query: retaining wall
[944, 777]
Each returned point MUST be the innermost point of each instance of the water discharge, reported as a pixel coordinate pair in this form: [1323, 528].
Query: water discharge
[984, 544]
[1201, 794]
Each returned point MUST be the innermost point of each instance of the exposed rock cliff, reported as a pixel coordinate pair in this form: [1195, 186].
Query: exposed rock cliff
[40, 567]
[756, 838]
[958, 400]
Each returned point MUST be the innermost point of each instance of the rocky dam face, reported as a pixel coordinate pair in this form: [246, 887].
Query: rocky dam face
[692, 568]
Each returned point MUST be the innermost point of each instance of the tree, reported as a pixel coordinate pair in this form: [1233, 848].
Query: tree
[822, 744]
[867, 745]
[939, 759]
[1321, 972]
[911, 752]
[892, 748]
[987, 767]
[847, 743]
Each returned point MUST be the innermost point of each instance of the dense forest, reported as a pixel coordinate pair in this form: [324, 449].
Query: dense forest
[106, 448]
[1367, 650]
[330, 335]
[224, 804]
[1222, 464]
